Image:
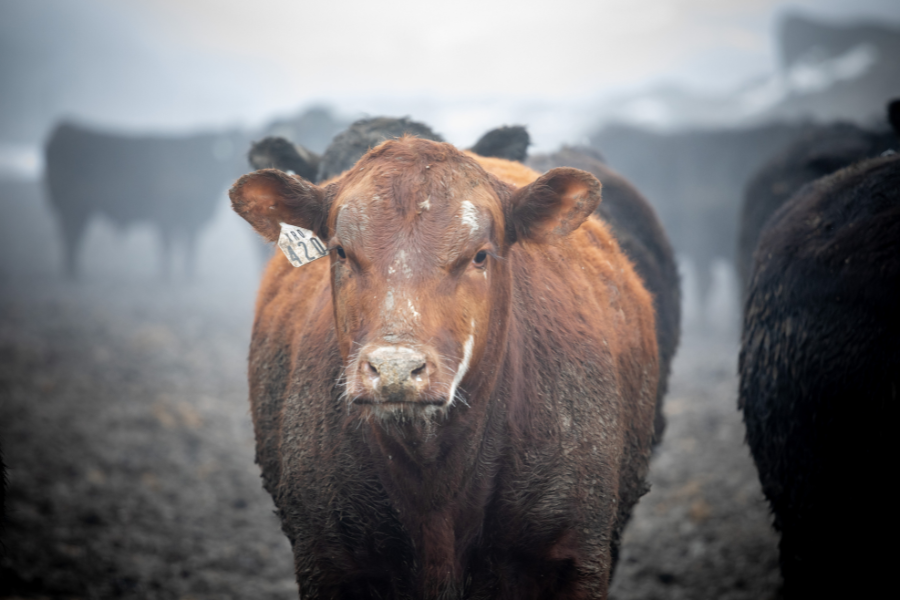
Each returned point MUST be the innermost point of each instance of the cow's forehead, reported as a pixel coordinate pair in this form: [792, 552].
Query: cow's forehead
[431, 211]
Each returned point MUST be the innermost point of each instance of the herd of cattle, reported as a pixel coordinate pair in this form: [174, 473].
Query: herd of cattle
[460, 400]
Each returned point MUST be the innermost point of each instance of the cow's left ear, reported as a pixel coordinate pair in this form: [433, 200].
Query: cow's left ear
[269, 197]
[553, 206]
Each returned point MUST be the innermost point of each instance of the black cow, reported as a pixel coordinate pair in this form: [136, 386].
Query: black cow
[819, 152]
[278, 153]
[349, 146]
[172, 183]
[641, 236]
[508, 141]
[820, 378]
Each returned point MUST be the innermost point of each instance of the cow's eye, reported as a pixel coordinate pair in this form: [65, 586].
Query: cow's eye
[340, 252]
[480, 259]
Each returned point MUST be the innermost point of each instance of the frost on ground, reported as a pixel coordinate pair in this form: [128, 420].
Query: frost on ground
[125, 424]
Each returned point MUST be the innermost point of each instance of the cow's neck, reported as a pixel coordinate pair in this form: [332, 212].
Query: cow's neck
[429, 465]
[440, 485]
[440, 478]
[440, 474]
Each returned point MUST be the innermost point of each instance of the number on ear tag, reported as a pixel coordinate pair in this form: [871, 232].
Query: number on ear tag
[300, 245]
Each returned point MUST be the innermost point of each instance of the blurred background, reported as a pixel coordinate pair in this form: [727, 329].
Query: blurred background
[709, 77]
[123, 415]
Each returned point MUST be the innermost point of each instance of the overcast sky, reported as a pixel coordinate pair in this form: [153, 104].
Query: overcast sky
[481, 47]
[181, 64]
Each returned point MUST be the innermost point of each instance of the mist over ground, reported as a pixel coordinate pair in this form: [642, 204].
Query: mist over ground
[124, 419]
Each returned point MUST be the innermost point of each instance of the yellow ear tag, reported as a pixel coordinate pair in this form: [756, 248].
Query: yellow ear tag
[300, 245]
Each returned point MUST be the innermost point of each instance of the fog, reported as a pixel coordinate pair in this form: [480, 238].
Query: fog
[173, 68]
[141, 355]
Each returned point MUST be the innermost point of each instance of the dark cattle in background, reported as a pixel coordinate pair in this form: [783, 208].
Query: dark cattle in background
[279, 153]
[694, 179]
[509, 141]
[641, 236]
[819, 152]
[820, 378]
[345, 149]
[458, 401]
[172, 183]
[349, 146]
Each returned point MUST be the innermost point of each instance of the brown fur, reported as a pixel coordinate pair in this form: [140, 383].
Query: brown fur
[639, 232]
[518, 486]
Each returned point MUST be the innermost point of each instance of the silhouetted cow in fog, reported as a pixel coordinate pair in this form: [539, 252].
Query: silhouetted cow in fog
[458, 401]
[695, 179]
[820, 379]
[640, 235]
[815, 154]
[172, 183]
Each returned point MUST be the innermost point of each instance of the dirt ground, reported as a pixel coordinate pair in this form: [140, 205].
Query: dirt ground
[125, 425]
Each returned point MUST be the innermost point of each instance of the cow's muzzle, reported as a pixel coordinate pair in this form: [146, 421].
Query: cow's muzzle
[395, 374]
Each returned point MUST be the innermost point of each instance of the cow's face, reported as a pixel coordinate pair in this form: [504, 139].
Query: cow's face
[419, 237]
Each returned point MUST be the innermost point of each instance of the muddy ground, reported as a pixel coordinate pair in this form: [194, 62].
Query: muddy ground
[125, 425]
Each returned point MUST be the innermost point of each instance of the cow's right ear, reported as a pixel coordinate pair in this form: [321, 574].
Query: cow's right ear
[269, 197]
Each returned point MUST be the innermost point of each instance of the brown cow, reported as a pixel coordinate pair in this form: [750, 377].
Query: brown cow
[459, 402]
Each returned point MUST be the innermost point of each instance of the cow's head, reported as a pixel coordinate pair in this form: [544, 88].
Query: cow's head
[419, 237]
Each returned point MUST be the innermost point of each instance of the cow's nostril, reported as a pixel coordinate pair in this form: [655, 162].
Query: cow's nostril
[419, 370]
[372, 370]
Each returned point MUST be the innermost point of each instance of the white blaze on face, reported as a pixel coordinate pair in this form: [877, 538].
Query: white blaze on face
[463, 365]
[412, 308]
[470, 217]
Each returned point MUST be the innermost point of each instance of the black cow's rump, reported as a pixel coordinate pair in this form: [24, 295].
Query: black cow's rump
[820, 377]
